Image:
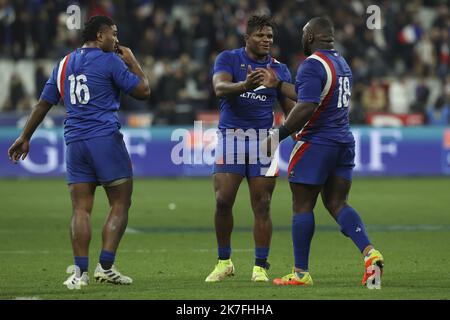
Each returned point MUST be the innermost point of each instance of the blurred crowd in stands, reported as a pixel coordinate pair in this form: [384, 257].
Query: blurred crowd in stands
[401, 68]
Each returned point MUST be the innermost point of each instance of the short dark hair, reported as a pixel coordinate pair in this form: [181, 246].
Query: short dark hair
[323, 23]
[255, 23]
[93, 26]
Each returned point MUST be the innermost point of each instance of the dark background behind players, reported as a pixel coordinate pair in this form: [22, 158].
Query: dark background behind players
[402, 68]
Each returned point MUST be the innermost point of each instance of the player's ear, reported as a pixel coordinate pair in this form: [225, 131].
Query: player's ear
[246, 37]
[100, 36]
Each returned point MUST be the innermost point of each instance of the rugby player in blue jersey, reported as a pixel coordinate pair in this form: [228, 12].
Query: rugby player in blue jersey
[322, 161]
[246, 107]
[89, 81]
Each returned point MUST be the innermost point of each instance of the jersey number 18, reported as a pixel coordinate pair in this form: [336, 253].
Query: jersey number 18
[344, 92]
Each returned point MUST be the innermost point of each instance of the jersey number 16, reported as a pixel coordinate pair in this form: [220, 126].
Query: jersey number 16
[77, 86]
[344, 92]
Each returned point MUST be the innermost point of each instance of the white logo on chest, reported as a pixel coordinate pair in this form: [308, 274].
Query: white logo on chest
[253, 95]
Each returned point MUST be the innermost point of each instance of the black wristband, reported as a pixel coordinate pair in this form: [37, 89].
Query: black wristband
[283, 133]
[280, 83]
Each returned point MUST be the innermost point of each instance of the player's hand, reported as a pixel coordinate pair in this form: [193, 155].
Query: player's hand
[126, 55]
[18, 149]
[254, 78]
[270, 78]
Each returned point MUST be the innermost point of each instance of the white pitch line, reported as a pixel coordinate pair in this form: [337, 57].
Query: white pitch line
[132, 231]
[27, 298]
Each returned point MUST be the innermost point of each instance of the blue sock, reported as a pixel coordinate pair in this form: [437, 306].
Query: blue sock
[107, 259]
[353, 227]
[302, 232]
[261, 254]
[82, 263]
[224, 253]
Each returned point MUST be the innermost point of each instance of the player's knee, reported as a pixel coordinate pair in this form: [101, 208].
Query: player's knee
[261, 207]
[223, 206]
[121, 206]
[81, 213]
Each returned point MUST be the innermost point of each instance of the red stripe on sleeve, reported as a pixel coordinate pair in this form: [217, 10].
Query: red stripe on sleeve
[325, 101]
[63, 76]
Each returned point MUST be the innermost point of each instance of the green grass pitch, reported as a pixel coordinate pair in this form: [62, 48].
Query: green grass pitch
[170, 247]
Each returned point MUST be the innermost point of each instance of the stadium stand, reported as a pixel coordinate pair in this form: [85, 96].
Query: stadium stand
[401, 72]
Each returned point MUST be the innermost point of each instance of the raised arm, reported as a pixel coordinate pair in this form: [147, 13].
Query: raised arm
[310, 78]
[270, 80]
[142, 90]
[286, 105]
[225, 87]
[287, 89]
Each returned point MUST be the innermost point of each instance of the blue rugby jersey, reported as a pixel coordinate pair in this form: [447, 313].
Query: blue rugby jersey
[89, 81]
[326, 79]
[252, 109]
